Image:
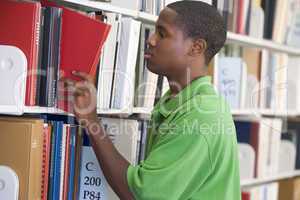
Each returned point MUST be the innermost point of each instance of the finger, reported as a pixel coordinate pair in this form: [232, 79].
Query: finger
[83, 76]
[67, 81]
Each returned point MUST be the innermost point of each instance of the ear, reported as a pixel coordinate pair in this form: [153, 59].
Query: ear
[198, 47]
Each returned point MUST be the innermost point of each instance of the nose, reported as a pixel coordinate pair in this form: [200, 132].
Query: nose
[151, 40]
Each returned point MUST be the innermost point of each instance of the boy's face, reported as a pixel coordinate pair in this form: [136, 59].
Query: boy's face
[168, 47]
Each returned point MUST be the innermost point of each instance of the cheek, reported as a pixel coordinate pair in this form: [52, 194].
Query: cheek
[168, 56]
[170, 53]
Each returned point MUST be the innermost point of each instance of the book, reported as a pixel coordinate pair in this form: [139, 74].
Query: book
[287, 156]
[289, 189]
[25, 148]
[50, 57]
[247, 161]
[124, 135]
[108, 61]
[81, 42]
[232, 73]
[21, 21]
[293, 35]
[123, 85]
[92, 181]
[80, 49]
[46, 160]
[252, 58]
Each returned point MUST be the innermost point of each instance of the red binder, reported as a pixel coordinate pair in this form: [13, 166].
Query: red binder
[81, 42]
[19, 22]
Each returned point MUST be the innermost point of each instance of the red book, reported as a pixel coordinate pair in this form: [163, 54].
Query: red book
[246, 196]
[19, 22]
[82, 39]
[46, 161]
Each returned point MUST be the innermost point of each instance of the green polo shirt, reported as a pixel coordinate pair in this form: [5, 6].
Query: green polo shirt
[191, 149]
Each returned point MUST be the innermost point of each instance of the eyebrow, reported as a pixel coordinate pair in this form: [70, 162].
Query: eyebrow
[160, 27]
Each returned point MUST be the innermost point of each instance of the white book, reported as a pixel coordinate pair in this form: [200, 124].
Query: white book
[287, 157]
[264, 83]
[124, 134]
[280, 20]
[151, 86]
[293, 36]
[230, 74]
[280, 84]
[293, 82]
[275, 139]
[123, 91]
[63, 158]
[107, 64]
[244, 86]
[256, 21]
[264, 136]
[246, 161]
[93, 184]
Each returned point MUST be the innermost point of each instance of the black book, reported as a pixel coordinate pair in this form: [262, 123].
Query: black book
[269, 9]
[50, 57]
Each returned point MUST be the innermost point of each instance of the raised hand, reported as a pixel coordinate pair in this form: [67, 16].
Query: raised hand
[84, 93]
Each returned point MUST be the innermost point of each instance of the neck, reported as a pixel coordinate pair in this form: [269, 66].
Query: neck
[178, 83]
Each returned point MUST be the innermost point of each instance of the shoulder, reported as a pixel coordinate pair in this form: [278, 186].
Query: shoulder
[203, 107]
[203, 114]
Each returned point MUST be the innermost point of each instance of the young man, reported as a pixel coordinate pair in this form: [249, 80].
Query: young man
[191, 149]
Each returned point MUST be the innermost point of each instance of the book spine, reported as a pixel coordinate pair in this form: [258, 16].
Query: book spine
[46, 65]
[35, 55]
[53, 68]
[72, 163]
[57, 161]
[43, 165]
[63, 162]
[52, 159]
[67, 163]
[35, 176]
[40, 71]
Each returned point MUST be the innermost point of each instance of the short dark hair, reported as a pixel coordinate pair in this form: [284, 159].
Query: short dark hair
[200, 20]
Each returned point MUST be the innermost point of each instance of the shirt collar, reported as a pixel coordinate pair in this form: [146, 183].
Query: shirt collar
[167, 104]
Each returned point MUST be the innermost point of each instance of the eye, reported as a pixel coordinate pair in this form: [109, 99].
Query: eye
[161, 34]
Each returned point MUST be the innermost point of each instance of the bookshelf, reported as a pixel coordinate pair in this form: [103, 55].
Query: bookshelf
[144, 113]
[232, 38]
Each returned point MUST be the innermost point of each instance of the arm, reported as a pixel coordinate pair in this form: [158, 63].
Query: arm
[113, 164]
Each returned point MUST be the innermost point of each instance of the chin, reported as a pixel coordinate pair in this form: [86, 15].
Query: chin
[152, 68]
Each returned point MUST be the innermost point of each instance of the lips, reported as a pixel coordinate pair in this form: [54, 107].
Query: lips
[148, 54]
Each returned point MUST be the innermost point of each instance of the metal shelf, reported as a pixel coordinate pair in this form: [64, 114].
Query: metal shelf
[261, 43]
[257, 182]
[49, 110]
[147, 112]
[103, 6]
